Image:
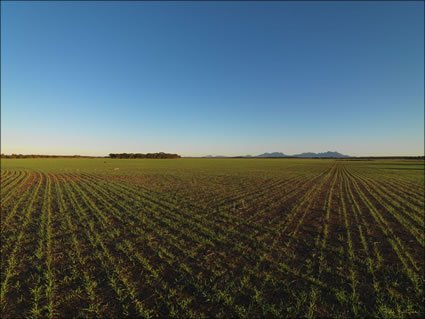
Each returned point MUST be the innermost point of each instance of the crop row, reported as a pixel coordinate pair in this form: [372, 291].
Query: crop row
[333, 240]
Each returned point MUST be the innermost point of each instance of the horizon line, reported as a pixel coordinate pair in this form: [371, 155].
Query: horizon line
[3, 155]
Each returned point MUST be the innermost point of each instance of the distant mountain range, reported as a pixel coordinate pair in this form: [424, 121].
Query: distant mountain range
[327, 154]
[274, 154]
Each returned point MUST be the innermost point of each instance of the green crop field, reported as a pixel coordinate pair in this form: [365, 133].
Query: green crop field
[193, 238]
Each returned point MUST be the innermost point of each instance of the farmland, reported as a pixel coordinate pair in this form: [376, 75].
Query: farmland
[212, 238]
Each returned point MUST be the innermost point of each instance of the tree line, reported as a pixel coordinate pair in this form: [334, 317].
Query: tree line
[140, 155]
[112, 155]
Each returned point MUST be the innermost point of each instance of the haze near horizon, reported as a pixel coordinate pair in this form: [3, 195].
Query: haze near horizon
[212, 78]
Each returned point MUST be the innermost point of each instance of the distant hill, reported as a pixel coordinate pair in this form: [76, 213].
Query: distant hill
[305, 155]
[274, 154]
[325, 154]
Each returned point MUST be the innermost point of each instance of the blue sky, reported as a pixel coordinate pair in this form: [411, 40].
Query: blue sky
[212, 78]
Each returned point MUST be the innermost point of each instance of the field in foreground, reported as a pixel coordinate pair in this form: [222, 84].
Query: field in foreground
[212, 238]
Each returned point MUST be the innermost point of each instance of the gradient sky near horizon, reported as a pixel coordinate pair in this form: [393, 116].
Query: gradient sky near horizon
[212, 78]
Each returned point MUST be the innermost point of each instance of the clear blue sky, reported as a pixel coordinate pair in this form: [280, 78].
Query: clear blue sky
[212, 78]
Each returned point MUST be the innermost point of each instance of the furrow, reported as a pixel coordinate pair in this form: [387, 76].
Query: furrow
[8, 177]
[11, 269]
[17, 185]
[124, 289]
[7, 231]
[310, 196]
[393, 198]
[385, 201]
[364, 230]
[88, 304]
[321, 240]
[392, 239]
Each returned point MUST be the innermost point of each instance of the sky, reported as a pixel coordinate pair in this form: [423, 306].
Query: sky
[215, 78]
